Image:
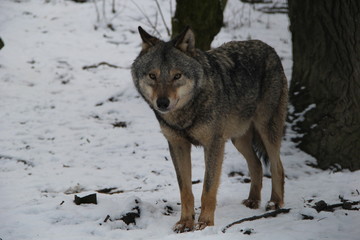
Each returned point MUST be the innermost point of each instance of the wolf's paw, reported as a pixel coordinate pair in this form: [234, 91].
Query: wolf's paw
[201, 225]
[184, 226]
[250, 203]
[271, 205]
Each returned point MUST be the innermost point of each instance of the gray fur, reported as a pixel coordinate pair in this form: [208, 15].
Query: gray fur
[237, 91]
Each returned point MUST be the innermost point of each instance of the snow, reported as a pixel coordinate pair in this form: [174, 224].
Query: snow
[57, 137]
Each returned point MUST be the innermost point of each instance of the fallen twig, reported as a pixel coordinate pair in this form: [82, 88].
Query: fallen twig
[114, 190]
[345, 204]
[25, 162]
[265, 215]
[107, 218]
[102, 63]
[1, 43]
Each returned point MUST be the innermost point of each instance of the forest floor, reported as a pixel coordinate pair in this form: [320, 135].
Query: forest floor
[71, 126]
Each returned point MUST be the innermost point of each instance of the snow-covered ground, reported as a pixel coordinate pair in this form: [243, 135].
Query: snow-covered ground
[65, 130]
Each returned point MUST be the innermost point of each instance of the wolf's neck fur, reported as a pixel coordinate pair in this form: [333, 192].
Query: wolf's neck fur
[179, 120]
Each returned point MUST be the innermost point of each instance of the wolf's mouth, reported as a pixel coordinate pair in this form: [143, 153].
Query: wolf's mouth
[163, 111]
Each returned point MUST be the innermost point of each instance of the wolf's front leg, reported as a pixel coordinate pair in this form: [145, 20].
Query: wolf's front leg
[214, 155]
[180, 150]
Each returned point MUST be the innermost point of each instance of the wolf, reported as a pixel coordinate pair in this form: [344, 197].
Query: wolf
[235, 92]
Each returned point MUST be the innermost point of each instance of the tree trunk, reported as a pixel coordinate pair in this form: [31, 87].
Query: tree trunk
[204, 17]
[325, 86]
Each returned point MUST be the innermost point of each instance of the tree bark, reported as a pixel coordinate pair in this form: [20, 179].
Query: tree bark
[204, 17]
[325, 86]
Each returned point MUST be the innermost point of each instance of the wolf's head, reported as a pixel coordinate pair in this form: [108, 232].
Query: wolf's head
[166, 73]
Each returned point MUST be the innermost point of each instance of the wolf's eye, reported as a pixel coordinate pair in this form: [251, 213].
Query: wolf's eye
[177, 76]
[152, 76]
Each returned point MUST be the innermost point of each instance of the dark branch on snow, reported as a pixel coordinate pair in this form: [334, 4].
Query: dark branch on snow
[102, 63]
[265, 215]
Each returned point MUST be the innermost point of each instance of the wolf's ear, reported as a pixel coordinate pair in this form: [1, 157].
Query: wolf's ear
[148, 40]
[186, 41]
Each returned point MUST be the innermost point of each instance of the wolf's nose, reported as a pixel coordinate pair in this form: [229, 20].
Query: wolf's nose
[163, 103]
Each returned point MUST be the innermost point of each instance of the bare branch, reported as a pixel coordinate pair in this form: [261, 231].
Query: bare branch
[104, 10]
[97, 11]
[146, 17]
[265, 215]
[102, 63]
[113, 10]
[162, 17]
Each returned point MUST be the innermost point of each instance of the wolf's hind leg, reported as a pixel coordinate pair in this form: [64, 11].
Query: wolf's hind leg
[244, 145]
[271, 138]
[180, 151]
[269, 123]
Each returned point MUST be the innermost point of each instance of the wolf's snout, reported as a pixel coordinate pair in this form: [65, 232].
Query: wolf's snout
[163, 103]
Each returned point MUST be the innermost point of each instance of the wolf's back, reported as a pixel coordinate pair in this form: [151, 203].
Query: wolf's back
[240, 74]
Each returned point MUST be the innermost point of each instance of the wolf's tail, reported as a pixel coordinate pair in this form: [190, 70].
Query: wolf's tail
[259, 148]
